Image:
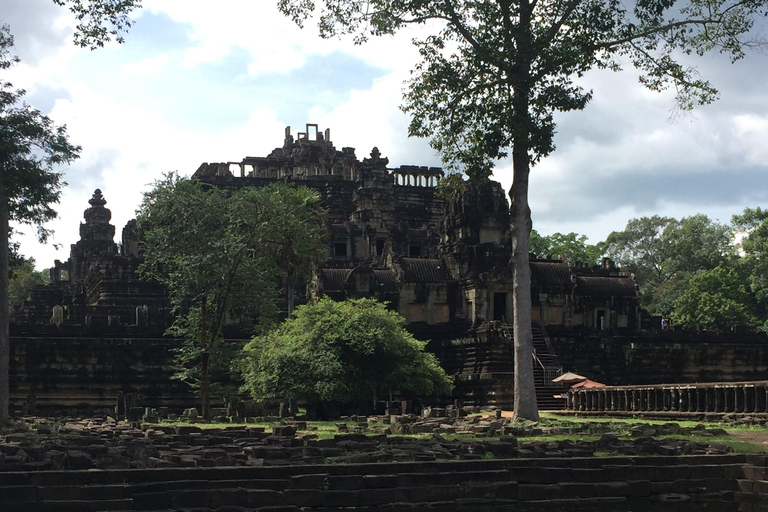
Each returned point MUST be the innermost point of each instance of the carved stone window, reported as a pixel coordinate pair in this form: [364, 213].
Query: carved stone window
[340, 249]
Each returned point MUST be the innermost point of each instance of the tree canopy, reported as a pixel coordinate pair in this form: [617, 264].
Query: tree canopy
[572, 245]
[664, 253]
[714, 299]
[699, 272]
[753, 225]
[23, 277]
[493, 73]
[99, 21]
[218, 254]
[295, 240]
[341, 351]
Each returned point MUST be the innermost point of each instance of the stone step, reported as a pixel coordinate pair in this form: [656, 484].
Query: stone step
[68, 505]
[371, 485]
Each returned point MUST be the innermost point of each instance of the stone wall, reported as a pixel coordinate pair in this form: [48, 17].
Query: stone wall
[662, 357]
[594, 484]
[66, 366]
[58, 369]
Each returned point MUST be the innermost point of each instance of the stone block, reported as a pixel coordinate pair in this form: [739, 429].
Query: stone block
[506, 490]
[721, 484]
[284, 430]
[611, 489]
[760, 487]
[104, 492]
[380, 481]
[133, 414]
[262, 498]
[533, 492]
[576, 490]
[662, 487]
[483, 490]
[346, 482]
[756, 472]
[191, 498]
[372, 497]
[539, 475]
[638, 488]
[437, 493]
[757, 459]
[313, 481]
[745, 485]
[21, 493]
[589, 475]
[76, 459]
[152, 501]
[303, 497]
[338, 499]
[222, 497]
[749, 498]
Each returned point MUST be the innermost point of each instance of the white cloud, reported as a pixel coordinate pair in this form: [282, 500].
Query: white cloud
[145, 67]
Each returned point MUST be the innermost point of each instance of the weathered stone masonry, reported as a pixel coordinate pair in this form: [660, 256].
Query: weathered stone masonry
[443, 265]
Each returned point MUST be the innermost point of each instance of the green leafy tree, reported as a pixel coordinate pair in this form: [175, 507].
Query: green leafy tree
[217, 253]
[753, 224]
[640, 248]
[31, 148]
[99, 21]
[295, 240]
[664, 253]
[494, 72]
[715, 299]
[340, 352]
[696, 243]
[573, 246]
[23, 278]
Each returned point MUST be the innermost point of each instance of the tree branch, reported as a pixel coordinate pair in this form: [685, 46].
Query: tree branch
[557, 25]
[461, 28]
[657, 30]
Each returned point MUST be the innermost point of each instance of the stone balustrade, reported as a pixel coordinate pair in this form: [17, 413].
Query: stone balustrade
[416, 176]
[709, 397]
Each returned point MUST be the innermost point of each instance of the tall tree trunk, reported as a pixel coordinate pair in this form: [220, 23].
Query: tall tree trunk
[5, 345]
[205, 385]
[525, 406]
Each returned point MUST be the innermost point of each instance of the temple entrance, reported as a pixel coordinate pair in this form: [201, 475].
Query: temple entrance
[499, 306]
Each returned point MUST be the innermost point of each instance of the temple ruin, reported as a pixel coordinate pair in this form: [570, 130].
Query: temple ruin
[97, 329]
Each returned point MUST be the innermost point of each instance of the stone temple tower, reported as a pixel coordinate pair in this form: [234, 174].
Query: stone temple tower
[96, 238]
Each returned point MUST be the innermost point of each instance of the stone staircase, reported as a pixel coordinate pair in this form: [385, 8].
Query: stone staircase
[611, 483]
[484, 367]
[545, 368]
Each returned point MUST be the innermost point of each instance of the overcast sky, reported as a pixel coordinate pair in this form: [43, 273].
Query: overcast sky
[200, 81]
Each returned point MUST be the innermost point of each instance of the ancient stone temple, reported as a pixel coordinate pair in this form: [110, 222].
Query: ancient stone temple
[98, 285]
[442, 264]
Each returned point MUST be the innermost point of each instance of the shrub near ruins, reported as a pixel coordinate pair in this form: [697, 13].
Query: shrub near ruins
[344, 352]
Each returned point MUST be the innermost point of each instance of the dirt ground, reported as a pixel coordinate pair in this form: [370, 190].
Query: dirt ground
[760, 438]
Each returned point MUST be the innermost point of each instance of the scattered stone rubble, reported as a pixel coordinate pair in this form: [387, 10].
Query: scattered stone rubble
[104, 443]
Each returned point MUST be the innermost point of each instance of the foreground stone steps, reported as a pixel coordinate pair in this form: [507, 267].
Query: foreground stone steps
[503, 482]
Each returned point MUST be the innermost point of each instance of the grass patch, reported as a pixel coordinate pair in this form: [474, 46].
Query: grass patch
[587, 429]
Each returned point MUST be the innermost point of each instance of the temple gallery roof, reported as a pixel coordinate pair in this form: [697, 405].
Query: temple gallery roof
[422, 270]
[559, 276]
